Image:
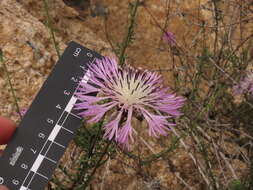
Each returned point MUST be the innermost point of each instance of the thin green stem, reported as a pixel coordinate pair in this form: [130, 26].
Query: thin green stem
[130, 33]
[50, 27]
[161, 154]
[98, 164]
[10, 84]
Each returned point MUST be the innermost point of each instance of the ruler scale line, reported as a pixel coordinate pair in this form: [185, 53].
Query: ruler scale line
[71, 104]
[67, 130]
[49, 147]
[23, 188]
[59, 145]
[75, 115]
[54, 132]
[42, 175]
[37, 163]
[50, 160]
[30, 180]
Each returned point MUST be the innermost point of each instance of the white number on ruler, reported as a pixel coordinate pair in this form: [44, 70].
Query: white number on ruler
[66, 92]
[77, 52]
[74, 79]
[1, 180]
[41, 135]
[82, 67]
[24, 166]
[15, 182]
[50, 121]
[34, 151]
[58, 106]
[89, 54]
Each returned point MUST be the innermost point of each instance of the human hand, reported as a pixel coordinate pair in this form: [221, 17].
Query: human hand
[2, 187]
[7, 128]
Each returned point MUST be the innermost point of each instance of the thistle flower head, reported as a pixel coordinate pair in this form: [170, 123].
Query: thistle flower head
[123, 92]
[245, 85]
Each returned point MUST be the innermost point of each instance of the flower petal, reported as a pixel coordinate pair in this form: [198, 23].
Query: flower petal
[111, 128]
[157, 124]
[126, 131]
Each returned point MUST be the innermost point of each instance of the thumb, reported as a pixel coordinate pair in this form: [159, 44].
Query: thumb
[7, 128]
[3, 187]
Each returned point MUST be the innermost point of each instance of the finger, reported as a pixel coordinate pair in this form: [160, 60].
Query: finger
[7, 128]
[2, 187]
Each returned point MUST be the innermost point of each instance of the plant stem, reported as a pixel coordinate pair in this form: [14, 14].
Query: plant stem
[10, 84]
[97, 164]
[130, 33]
[50, 27]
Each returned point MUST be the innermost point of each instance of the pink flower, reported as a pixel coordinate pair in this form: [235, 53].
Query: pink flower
[123, 92]
[170, 38]
[22, 112]
[245, 85]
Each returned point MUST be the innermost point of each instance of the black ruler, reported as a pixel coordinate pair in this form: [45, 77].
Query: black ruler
[48, 126]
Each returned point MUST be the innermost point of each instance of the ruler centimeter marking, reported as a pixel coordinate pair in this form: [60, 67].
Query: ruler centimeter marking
[38, 144]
